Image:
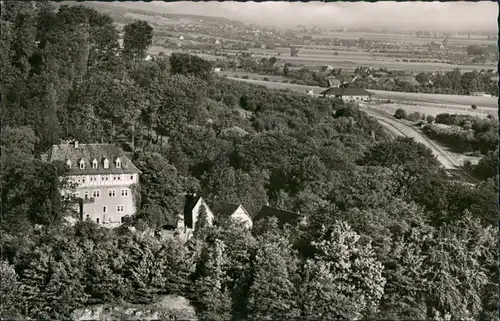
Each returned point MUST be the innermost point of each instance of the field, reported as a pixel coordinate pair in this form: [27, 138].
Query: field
[461, 39]
[347, 60]
[429, 104]
[355, 58]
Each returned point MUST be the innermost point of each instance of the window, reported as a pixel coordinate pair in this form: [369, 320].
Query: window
[106, 163]
[119, 208]
[82, 164]
[112, 193]
[118, 163]
[104, 209]
[97, 220]
[119, 177]
[132, 177]
[86, 194]
[83, 179]
[68, 163]
[94, 164]
[93, 178]
[77, 194]
[96, 194]
[87, 217]
[124, 192]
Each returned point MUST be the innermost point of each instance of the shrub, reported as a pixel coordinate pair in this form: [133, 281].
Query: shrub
[414, 117]
[430, 118]
[245, 77]
[400, 113]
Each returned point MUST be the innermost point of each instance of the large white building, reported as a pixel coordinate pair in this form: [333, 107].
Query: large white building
[347, 94]
[104, 176]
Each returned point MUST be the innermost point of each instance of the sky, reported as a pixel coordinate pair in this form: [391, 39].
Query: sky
[405, 15]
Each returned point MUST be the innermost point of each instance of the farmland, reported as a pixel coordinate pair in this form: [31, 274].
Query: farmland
[347, 60]
[406, 38]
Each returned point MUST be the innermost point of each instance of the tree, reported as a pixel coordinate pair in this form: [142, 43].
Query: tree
[161, 185]
[10, 303]
[286, 70]
[400, 114]
[344, 279]
[430, 119]
[213, 295]
[401, 151]
[186, 64]
[138, 37]
[487, 166]
[273, 293]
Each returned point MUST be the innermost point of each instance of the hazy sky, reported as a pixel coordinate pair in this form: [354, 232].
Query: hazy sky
[408, 15]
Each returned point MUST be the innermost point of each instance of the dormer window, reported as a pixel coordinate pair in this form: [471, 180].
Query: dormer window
[68, 163]
[82, 164]
[106, 163]
[118, 163]
[94, 164]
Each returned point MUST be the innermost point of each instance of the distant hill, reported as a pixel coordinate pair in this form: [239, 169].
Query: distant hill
[118, 10]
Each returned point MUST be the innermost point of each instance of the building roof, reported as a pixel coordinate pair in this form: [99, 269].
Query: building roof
[191, 201]
[227, 209]
[89, 152]
[283, 216]
[407, 78]
[346, 92]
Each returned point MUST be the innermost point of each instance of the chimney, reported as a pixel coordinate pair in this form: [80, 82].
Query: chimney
[76, 144]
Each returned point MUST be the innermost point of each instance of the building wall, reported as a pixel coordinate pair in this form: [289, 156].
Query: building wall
[240, 215]
[104, 208]
[196, 210]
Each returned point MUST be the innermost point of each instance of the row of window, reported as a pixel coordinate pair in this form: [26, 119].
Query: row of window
[97, 193]
[122, 219]
[95, 163]
[119, 209]
[103, 178]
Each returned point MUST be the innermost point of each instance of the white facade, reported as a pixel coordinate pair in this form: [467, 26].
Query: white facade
[197, 210]
[106, 198]
[240, 215]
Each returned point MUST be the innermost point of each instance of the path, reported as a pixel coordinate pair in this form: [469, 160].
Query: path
[400, 128]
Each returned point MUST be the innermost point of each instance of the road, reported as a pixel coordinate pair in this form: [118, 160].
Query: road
[399, 128]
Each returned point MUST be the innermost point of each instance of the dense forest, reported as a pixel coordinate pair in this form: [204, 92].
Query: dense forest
[387, 234]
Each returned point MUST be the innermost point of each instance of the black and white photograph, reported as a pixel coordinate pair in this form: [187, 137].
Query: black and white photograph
[263, 161]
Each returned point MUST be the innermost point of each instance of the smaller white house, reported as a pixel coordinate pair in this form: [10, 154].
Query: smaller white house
[181, 37]
[192, 209]
[148, 58]
[217, 69]
[232, 211]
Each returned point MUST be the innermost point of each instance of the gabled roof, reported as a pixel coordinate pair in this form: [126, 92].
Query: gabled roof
[227, 209]
[283, 216]
[346, 92]
[87, 152]
[191, 202]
